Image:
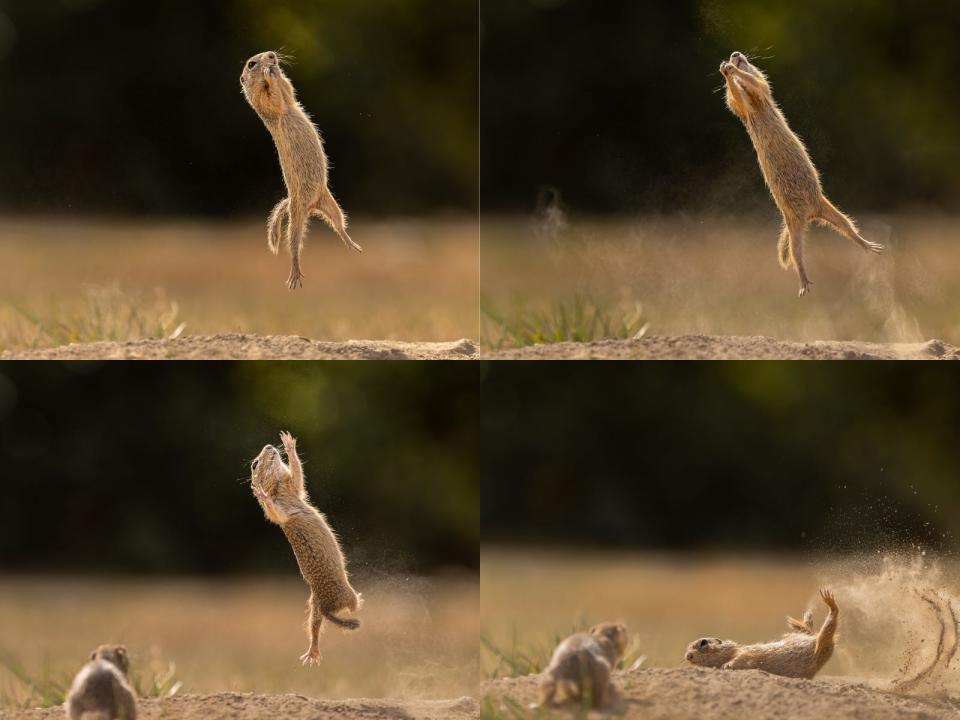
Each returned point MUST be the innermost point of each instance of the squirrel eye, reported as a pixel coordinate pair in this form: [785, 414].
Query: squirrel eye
[251, 64]
[255, 463]
[704, 643]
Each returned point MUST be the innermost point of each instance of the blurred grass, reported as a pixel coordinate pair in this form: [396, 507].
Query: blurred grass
[582, 319]
[715, 275]
[77, 281]
[418, 638]
[103, 313]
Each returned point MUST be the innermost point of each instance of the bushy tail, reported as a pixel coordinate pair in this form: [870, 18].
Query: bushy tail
[783, 249]
[279, 213]
[348, 624]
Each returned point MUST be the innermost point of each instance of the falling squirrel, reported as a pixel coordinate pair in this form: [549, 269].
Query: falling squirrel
[801, 653]
[279, 489]
[787, 168]
[302, 160]
[100, 690]
[581, 665]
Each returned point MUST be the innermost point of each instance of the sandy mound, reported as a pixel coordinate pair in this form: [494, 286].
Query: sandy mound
[678, 693]
[247, 706]
[252, 347]
[710, 347]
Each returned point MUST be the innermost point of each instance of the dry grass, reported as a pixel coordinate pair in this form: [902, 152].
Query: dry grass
[531, 597]
[418, 640]
[721, 277]
[416, 280]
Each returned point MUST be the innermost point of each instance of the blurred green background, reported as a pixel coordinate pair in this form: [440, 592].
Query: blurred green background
[612, 103]
[111, 106]
[144, 468]
[822, 457]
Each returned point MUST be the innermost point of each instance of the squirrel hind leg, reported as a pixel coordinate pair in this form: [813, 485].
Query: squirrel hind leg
[830, 215]
[548, 693]
[804, 626]
[332, 214]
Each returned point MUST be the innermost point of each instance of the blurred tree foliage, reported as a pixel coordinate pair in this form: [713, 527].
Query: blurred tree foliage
[613, 102]
[133, 107]
[145, 468]
[823, 456]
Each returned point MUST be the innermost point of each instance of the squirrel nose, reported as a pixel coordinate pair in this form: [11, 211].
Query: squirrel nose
[689, 656]
[736, 56]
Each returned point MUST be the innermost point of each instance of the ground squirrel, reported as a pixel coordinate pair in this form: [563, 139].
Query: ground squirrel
[279, 489]
[801, 653]
[100, 690]
[581, 665]
[787, 168]
[302, 160]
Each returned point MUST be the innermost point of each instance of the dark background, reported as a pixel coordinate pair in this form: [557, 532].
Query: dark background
[144, 468]
[112, 106]
[612, 102]
[710, 456]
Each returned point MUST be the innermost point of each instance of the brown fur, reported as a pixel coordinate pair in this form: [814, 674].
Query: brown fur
[580, 668]
[100, 690]
[279, 489]
[787, 168]
[801, 653]
[302, 160]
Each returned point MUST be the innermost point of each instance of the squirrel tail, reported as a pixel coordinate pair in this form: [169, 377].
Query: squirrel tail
[275, 224]
[348, 624]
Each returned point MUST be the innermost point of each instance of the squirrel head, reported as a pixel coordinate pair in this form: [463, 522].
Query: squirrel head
[114, 654]
[614, 635]
[269, 472]
[747, 87]
[710, 652]
[265, 86]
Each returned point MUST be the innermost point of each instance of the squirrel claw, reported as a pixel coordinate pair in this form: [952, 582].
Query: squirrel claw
[310, 657]
[295, 280]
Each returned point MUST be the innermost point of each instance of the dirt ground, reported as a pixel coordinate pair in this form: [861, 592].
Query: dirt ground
[251, 347]
[707, 347]
[247, 706]
[678, 693]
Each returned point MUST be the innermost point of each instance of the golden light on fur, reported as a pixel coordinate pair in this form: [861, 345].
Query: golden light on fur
[302, 160]
[787, 168]
[280, 491]
[800, 653]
